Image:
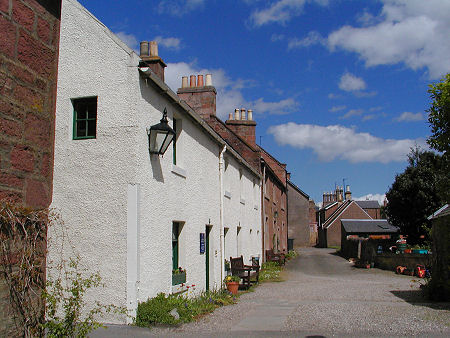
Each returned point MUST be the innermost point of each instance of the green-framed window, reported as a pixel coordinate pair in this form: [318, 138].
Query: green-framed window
[175, 235]
[84, 118]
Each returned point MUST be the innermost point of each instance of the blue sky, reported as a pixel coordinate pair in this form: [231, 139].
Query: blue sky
[338, 87]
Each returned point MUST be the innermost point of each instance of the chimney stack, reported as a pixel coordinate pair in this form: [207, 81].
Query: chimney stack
[243, 126]
[348, 194]
[149, 58]
[200, 95]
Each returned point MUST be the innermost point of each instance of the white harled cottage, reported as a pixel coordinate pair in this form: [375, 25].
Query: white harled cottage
[131, 215]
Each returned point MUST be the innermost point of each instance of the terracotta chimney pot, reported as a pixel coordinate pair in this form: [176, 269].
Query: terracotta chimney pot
[144, 48]
[200, 81]
[243, 114]
[153, 48]
[192, 81]
[236, 114]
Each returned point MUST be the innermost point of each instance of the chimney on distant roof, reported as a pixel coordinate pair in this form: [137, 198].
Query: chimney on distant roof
[348, 194]
[199, 95]
[243, 125]
[149, 58]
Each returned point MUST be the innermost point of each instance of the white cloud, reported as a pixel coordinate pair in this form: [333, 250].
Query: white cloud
[179, 7]
[372, 197]
[413, 32]
[337, 108]
[281, 11]
[285, 106]
[342, 143]
[352, 112]
[333, 96]
[410, 117]
[311, 39]
[129, 39]
[351, 83]
[169, 43]
[276, 37]
[229, 94]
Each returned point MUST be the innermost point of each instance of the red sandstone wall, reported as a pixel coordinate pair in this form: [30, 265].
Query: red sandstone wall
[29, 41]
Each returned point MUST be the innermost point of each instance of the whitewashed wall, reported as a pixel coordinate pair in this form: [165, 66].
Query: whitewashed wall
[117, 201]
[242, 209]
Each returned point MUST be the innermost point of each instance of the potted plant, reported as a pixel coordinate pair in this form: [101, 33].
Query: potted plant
[232, 283]
[178, 276]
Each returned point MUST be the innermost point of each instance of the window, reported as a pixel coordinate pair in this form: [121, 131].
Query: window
[177, 127]
[175, 249]
[84, 118]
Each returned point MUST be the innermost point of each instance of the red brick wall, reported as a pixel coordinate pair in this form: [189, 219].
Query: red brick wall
[201, 99]
[245, 129]
[374, 213]
[334, 231]
[29, 41]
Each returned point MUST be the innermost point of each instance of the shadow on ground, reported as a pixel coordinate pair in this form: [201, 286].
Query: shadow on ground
[418, 297]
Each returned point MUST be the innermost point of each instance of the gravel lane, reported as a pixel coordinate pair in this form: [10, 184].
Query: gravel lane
[324, 295]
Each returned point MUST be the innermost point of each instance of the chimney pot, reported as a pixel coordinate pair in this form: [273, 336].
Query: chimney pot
[144, 48]
[243, 114]
[200, 81]
[250, 114]
[184, 82]
[192, 81]
[153, 48]
[230, 116]
[208, 80]
[236, 114]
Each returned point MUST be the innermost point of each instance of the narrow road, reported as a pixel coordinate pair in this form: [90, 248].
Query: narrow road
[323, 295]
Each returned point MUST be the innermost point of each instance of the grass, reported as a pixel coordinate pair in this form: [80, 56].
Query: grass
[270, 272]
[336, 247]
[177, 309]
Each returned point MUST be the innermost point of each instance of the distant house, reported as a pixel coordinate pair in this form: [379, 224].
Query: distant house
[337, 206]
[371, 207]
[302, 227]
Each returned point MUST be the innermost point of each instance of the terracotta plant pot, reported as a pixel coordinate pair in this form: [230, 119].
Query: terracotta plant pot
[233, 287]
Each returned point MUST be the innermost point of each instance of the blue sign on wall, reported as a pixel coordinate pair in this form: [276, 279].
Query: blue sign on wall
[202, 243]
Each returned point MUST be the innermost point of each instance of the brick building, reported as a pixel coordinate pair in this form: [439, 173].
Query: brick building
[336, 206]
[29, 40]
[301, 217]
[239, 133]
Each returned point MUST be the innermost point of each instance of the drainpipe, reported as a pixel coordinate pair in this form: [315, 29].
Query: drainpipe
[222, 237]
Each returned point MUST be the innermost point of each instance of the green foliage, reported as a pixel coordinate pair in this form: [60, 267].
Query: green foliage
[414, 195]
[439, 115]
[291, 254]
[231, 278]
[160, 309]
[270, 272]
[65, 304]
[439, 120]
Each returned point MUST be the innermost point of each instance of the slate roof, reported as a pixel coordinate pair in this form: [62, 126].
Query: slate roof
[372, 226]
[368, 204]
[444, 211]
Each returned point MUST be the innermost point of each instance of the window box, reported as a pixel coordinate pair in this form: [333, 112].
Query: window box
[179, 278]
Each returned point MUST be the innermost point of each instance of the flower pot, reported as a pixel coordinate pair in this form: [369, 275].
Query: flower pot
[407, 251]
[233, 287]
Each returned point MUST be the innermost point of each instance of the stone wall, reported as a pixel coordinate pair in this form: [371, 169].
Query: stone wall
[28, 71]
[29, 40]
[389, 261]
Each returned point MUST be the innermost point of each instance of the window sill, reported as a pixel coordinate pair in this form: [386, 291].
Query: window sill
[227, 194]
[179, 171]
[242, 201]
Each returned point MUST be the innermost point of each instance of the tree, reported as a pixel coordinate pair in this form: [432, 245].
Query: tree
[439, 115]
[414, 195]
[439, 120]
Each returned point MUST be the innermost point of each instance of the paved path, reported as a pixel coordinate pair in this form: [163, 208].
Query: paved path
[322, 295]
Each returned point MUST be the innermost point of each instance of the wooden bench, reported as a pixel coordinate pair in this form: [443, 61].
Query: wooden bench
[248, 273]
[271, 256]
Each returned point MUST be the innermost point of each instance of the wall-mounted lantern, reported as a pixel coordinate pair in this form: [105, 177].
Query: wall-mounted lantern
[160, 136]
